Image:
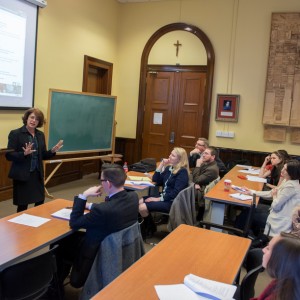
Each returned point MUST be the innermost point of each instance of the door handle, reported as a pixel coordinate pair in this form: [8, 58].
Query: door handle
[172, 137]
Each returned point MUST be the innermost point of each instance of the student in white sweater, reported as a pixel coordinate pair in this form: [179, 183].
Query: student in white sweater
[285, 198]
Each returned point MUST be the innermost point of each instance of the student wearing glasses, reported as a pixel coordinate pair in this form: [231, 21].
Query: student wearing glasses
[119, 211]
[196, 153]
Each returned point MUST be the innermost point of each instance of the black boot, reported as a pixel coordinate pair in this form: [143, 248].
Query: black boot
[148, 227]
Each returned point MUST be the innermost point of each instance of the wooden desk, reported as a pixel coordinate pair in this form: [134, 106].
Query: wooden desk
[220, 197]
[18, 241]
[185, 250]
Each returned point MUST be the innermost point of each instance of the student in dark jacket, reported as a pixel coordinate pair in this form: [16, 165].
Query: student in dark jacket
[28, 152]
[195, 154]
[119, 211]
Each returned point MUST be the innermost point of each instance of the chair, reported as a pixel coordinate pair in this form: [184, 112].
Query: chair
[117, 252]
[246, 290]
[236, 231]
[207, 210]
[30, 279]
[183, 209]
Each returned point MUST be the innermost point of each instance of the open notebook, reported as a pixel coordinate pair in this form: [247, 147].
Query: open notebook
[195, 288]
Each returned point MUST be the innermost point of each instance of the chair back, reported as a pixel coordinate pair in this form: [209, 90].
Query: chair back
[250, 216]
[183, 209]
[117, 252]
[253, 267]
[30, 279]
[207, 211]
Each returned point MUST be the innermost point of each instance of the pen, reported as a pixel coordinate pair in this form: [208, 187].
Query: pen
[69, 207]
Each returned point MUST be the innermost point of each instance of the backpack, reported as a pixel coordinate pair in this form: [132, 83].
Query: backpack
[144, 166]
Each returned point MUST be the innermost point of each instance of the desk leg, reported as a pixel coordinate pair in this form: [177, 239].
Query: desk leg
[217, 214]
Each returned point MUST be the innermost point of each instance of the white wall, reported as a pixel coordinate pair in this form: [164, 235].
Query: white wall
[238, 29]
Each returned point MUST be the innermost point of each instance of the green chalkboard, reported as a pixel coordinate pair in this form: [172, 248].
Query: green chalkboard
[84, 121]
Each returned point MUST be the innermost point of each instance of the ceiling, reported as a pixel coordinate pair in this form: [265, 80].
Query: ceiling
[127, 1]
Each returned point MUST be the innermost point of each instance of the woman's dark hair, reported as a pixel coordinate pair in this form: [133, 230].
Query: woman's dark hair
[293, 169]
[276, 170]
[114, 173]
[284, 266]
[39, 115]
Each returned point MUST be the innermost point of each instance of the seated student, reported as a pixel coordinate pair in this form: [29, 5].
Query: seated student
[200, 146]
[119, 211]
[205, 171]
[173, 175]
[282, 261]
[272, 166]
[285, 198]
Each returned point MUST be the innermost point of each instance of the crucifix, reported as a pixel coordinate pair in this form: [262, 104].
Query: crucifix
[177, 45]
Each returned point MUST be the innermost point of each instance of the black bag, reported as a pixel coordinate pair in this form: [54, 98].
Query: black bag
[144, 166]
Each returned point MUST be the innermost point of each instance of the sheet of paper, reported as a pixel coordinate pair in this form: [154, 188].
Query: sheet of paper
[250, 171]
[256, 179]
[241, 196]
[29, 220]
[135, 182]
[244, 166]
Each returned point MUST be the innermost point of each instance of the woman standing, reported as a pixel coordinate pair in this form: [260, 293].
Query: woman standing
[29, 150]
[282, 261]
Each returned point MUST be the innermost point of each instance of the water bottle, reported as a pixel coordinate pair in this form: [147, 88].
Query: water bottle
[125, 167]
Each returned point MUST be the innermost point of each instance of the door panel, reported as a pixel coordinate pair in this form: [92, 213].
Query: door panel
[158, 105]
[177, 98]
[190, 109]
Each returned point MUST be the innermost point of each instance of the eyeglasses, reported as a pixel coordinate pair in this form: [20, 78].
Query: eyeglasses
[200, 145]
[103, 180]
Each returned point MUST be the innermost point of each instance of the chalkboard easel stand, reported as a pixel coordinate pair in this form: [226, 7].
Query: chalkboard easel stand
[61, 161]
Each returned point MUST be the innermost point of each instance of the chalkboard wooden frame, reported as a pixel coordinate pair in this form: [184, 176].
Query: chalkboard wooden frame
[85, 121]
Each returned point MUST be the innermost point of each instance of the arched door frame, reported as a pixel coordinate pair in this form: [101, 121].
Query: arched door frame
[143, 73]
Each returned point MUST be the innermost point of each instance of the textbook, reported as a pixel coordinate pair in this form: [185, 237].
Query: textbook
[195, 288]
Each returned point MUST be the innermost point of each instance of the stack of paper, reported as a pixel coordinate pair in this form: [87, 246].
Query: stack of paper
[195, 288]
[139, 178]
[142, 182]
[63, 213]
[256, 179]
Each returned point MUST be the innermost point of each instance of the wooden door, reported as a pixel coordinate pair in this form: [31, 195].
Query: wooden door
[173, 111]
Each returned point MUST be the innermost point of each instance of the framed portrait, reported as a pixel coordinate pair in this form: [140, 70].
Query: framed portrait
[227, 108]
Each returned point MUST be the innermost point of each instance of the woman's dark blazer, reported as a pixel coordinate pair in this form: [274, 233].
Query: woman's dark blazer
[176, 182]
[20, 168]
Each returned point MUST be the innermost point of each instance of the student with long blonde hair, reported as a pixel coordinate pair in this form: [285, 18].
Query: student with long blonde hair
[173, 175]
